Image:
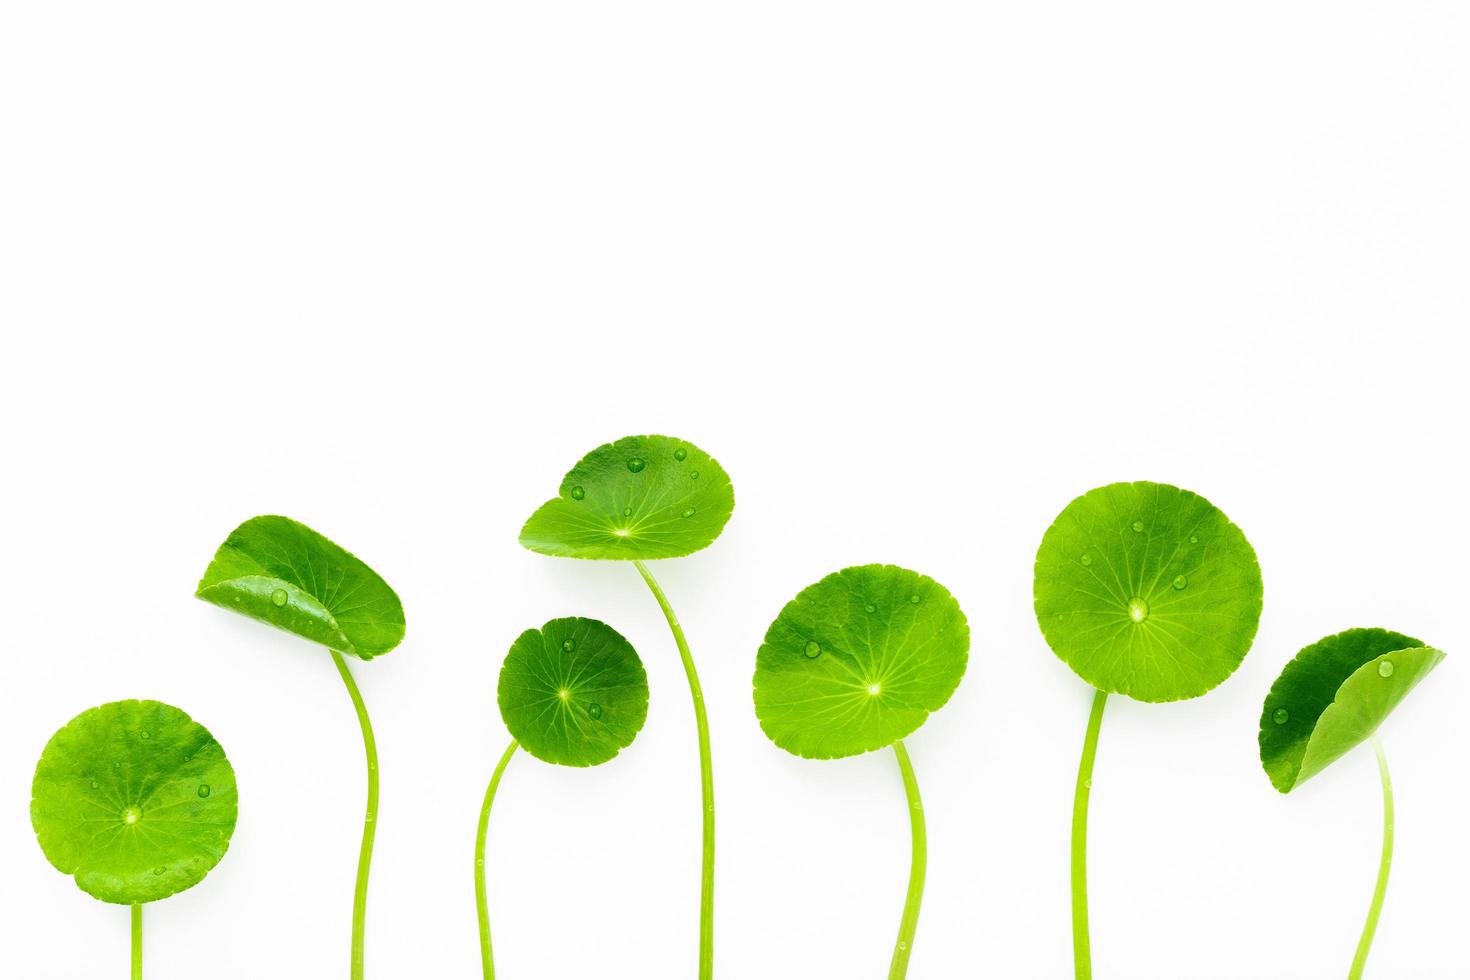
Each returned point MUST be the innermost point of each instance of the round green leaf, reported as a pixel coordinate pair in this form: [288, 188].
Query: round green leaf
[641, 497]
[1333, 695]
[135, 799]
[573, 692]
[858, 661]
[1147, 590]
[281, 572]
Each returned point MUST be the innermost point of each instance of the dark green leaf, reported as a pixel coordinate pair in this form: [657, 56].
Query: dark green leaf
[858, 661]
[134, 799]
[1147, 590]
[573, 692]
[641, 497]
[283, 573]
[1333, 695]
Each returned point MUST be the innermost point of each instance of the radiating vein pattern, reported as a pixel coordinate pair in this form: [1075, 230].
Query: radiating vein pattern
[1147, 590]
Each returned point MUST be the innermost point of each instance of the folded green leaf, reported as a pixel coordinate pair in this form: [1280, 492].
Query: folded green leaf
[1333, 695]
[281, 572]
[1147, 590]
[642, 497]
[134, 799]
[573, 692]
[858, 661]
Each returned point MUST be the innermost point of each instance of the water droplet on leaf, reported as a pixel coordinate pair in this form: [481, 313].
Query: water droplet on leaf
[569, 644]
[688, 512]
[203, 791]
[635, 465]
[915, 599]
[578, 493]
[144, 735]
[1280, 715]
[1087, 559]
[1180, 582]
[1194, 539]
[694, 474]
[279, 597]
[594, 711]
[813, 649]
[159, 870]
[871, 608]
[1138, 525]
[1385, 668]
[1137, 609]
[681, 454]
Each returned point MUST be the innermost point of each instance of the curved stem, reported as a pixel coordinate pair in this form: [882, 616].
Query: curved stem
[1081, 940]
[706, 784]
[137, 917]
[482, 904]
[910, 922]
[369, 821]
[1360, 959]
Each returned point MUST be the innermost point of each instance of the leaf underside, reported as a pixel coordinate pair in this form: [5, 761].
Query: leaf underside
[281, 572]
[573, 692]
[858, 661]
[1147, 590]
[1333, 695]
[135, 800]
[642, 497]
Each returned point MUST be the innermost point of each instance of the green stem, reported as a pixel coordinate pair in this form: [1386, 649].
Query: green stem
[482, 904]
[1386, 858]
[137, 917]
[706, 784]
[910, 922]
[1081, 941]
[370, 820]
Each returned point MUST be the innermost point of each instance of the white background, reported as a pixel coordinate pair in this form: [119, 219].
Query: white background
[916, 273]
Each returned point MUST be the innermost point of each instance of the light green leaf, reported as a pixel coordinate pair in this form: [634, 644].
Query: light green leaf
[573, 692]
[1333, 695]
[283, 573]
[134, 799]
[1147, 590]
[642, 497]
[858, 661]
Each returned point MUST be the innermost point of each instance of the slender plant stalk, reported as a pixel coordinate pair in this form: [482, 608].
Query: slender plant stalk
[910, 922]
[1366, 942]
[137, 917]
[482, 903]
[370, 820]
[706, 784]
[1081, 940]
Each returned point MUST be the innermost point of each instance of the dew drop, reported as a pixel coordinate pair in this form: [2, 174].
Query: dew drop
[1280, 715]
[635, 465]
[1087, 559]
[694, 474]
[1137, 609]
[1194, 539]
[279, 597]
[594, 711]
[915, 599]
[159, 870]
[569, 644]
[627, 512]
[131, 815]
[1180, 582]
[1385, 668]
[681, 454]
[813, 649]
[688, 512]
[144, 735]
[94, 784]
[1138, 525]
[204, 791]
[871, 608]
[578, 493]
